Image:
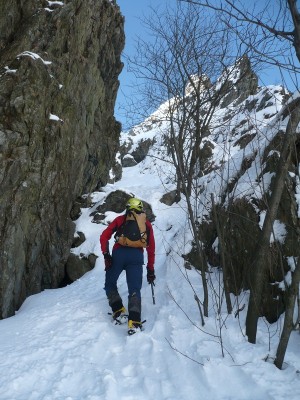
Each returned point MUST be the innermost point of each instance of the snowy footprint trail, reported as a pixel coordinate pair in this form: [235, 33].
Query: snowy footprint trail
[62, 344]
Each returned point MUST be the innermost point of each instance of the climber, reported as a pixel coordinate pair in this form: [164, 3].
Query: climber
[133, 232]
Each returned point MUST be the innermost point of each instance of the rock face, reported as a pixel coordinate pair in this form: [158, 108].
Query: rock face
[235, 93]
[116, 201]
[59, 67]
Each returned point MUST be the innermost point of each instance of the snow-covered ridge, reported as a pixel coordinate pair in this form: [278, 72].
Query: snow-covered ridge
[232, 142]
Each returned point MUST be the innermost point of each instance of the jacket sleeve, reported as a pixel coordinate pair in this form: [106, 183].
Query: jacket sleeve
[151, 247]
[108, 232]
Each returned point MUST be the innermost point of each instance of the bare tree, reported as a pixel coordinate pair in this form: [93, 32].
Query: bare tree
[269, 29]
[288, 320]
[179, 68]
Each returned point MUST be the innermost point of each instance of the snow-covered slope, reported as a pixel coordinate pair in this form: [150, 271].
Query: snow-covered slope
[62, 345]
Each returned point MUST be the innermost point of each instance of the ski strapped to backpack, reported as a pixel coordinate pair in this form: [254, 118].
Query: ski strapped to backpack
[133, 233]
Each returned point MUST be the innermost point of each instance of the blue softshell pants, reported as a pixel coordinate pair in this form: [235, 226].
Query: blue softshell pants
[130, 260]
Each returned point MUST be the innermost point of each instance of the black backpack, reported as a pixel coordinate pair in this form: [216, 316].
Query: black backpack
[133, 233]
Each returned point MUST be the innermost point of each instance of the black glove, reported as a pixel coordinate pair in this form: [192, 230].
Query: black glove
[150, 275]
[107, 260]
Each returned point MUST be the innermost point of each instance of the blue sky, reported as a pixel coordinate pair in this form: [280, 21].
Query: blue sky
[134, 10]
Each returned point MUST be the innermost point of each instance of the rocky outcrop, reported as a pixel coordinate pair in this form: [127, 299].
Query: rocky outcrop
[243, 199]
[77, 266]
[116, 201]
[133, 155]
[237, 87]
[241, 223]
[170, 198]
[59, 67]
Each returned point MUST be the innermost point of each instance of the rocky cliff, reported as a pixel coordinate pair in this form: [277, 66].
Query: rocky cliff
[59, 67]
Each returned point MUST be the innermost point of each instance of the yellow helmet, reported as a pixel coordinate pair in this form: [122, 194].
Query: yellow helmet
[134, 204]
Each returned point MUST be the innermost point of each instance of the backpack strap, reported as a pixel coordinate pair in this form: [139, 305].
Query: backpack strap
[119, 229]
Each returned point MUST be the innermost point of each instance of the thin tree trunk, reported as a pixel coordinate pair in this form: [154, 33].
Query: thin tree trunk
[257, 283]
[288, 318]
[177, 153]
[222, 251]
[202, 258]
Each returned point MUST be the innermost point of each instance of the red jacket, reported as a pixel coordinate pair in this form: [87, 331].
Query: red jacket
[115, 225]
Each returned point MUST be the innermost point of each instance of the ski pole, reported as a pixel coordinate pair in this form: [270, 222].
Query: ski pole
[152, 288]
